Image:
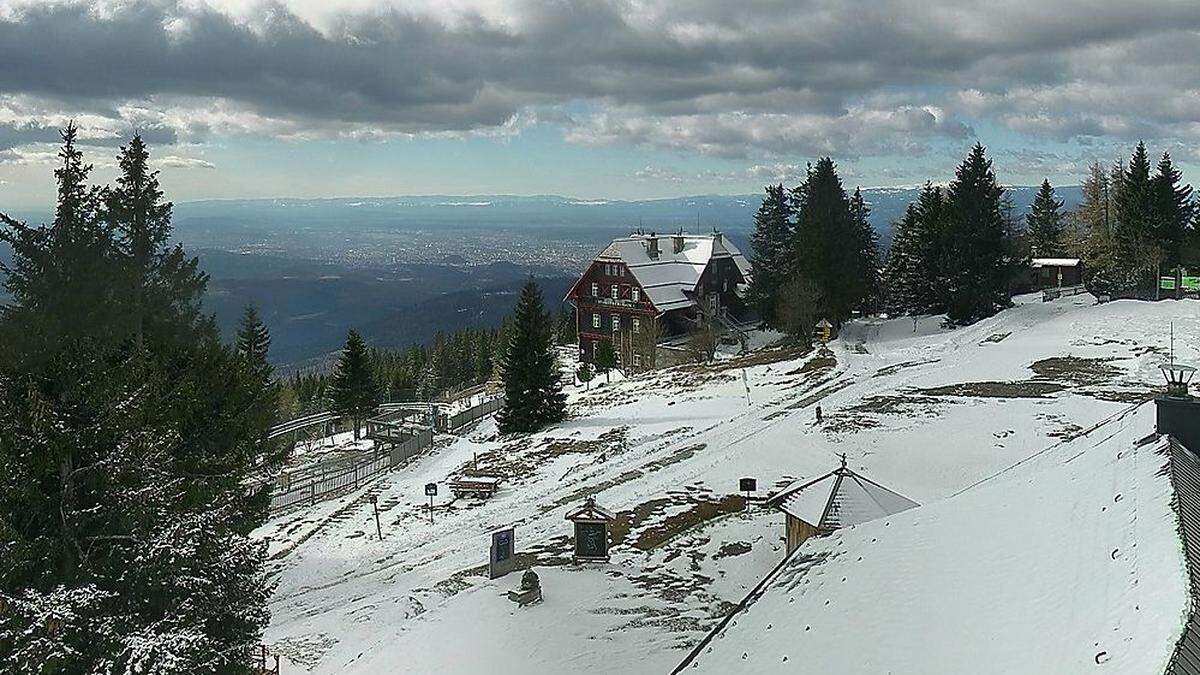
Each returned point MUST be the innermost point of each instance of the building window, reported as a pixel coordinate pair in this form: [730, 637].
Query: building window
[595, 290]
[595, 321]
[616, 323]
[636, 294]
[615, 291]
[637, 360]
[637, 325]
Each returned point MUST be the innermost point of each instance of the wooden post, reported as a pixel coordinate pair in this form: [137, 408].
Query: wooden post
[375, 507]
[312, 494]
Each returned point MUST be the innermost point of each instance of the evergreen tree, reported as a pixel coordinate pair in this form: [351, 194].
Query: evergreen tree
[605, 359]
[824, 228]
[1173, 211]
[1045, 223]
[129, 444]
[866, 242]
[584, 374]
[253, 339]
[354, 391]
[533, 394]
[915, 263]
[980, 260]
[1135, 203]
[772, 251]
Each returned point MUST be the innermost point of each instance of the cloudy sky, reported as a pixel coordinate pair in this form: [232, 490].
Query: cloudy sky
[590, 98]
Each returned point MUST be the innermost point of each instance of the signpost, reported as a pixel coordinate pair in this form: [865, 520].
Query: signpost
[747, 485]
[824, 331]
[375, 507]
[431, 492]
[502, 559]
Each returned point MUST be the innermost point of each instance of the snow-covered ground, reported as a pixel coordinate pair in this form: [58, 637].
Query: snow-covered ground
[1068, 564]
[926, 412]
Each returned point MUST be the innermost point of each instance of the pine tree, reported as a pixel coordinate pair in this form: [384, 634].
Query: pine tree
[533, 394]
[980, 260]
[1045, 223]
[253, 339]
[772, 251]
[354, 392]
[129, 450]
[1173, 211]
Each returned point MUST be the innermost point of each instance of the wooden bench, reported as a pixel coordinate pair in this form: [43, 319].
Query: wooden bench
[478, 486]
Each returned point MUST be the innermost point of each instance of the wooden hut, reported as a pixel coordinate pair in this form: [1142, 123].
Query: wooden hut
[840, 498]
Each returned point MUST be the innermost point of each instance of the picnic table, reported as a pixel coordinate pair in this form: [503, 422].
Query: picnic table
[481, 486]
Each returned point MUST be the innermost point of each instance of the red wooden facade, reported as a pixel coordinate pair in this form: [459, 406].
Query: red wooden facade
[609, 301]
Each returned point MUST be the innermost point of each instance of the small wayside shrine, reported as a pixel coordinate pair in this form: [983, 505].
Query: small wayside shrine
[591, 531]
[838, 499]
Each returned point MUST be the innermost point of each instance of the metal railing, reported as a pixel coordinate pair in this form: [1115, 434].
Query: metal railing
[459, 420]
[328, 479]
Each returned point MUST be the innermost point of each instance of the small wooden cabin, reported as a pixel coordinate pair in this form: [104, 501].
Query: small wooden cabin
[1055, 272]
[838, 499]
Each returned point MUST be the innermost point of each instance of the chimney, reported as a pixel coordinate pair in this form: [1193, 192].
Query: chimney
[677, 243]
[1178, 411]
[652, 246]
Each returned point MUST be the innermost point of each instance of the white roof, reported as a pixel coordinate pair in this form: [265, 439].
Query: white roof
[1055, 262]
[840, 498]
[1068, 563]
[668, 278]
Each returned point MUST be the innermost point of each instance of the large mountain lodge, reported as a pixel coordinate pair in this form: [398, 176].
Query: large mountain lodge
[645, 292]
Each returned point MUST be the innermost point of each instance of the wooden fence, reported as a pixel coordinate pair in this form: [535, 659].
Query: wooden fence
[329, 479]
[1049, 294]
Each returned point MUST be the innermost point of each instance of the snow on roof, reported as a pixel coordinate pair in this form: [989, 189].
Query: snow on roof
[1055, 262]
[1070, 562]
[590, 511]
[840, 498]
[671, 276]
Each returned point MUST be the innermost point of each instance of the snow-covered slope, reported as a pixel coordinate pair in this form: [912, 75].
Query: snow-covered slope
[926, 413]
[1065, 564]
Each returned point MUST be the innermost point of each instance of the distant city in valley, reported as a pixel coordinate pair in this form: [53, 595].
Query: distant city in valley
[413, 266]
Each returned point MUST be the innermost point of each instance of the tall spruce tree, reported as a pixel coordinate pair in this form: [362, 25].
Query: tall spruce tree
[253, 338]
[1135, 203]
[866, 241]
[1045, 223]
[128, 448]
[1173, 211]
[980, 260]
[826, 242]
[773, 256]
[533, 394]
[354, 390]
[914, 267]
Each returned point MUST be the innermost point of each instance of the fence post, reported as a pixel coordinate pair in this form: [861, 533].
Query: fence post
[312, 494]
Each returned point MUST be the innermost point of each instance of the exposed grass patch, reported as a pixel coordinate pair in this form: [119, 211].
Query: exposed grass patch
[1075, 370]
[1019, 389]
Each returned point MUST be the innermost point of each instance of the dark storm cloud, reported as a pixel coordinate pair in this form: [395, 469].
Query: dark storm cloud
[804, 76]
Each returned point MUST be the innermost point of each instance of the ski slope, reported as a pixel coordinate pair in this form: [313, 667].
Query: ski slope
[922, 410]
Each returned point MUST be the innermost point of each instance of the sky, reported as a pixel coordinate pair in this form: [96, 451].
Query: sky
[590, 98]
